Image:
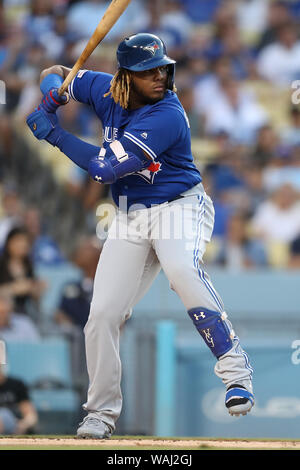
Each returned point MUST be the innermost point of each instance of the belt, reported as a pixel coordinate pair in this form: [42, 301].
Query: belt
[175, 198]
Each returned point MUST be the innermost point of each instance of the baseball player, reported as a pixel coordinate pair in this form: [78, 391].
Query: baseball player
[146, 158]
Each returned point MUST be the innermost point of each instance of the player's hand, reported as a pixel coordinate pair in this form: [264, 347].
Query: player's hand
[44, 125]
[52, 100]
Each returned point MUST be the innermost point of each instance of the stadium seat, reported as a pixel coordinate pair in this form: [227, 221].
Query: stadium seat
[58, 400]
[45, 360]
[46, 368]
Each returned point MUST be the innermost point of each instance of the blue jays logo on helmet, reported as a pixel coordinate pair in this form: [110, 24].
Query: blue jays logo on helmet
[152, 48]
[144, 51]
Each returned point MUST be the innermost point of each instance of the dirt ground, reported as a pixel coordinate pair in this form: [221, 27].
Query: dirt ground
[119, 443]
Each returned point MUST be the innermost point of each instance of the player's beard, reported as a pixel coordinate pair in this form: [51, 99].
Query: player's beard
[142, 97]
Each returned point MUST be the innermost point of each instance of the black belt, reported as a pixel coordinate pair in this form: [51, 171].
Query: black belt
[175, 198]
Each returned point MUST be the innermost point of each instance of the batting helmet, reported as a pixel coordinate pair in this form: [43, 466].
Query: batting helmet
[145, 51]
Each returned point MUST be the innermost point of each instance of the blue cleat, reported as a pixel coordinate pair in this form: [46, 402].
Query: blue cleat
[238, 400]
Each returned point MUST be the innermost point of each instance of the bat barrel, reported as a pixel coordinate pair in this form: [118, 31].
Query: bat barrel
[110, 17]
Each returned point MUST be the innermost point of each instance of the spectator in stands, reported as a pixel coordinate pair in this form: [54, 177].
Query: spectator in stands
[253, 178]
[209, 88]
[294, 254]
[210, 40]
[265, 147]
[12, 212]
[201, 11]
[279, 62]
[284, 168]
[278, 14]
[186, 96]
[276, 223]
[85, 15]
[20, 74]
[76, 297]
[17, 412]
[252, 17]
[236, 112]
[17, 272]
[44, 250]
[173, 17]
[240, 55]
[291, 134]
[39, 21]
[15, 326]
[237, 250]
[55, 40]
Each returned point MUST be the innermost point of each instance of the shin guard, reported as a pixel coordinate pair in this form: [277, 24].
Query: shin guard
[214, 329]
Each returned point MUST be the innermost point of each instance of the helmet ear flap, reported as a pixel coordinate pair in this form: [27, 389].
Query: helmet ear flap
[171, 76]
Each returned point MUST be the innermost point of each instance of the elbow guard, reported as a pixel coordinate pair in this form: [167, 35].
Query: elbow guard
[118, 163]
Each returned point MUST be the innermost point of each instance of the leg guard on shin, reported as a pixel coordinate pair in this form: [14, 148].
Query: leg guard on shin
[213, 328]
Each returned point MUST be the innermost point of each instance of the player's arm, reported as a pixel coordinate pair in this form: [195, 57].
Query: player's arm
[51, 80]
[121, 158]
[119, 161]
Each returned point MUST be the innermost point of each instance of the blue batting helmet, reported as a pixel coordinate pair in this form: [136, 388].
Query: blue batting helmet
[145, 51]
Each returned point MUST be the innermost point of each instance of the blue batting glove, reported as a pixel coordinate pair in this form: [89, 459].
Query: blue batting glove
[52, 100]
[44, 125]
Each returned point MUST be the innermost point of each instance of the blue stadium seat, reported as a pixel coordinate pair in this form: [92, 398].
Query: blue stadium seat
[45, 366]
[48, 359]
[56, 277]
[55, 400]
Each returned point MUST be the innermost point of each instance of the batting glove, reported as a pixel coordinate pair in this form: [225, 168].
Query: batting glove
[52, 100]
[44, 125]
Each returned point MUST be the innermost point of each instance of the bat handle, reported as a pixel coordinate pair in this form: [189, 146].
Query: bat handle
[64, 86]
[73, 72]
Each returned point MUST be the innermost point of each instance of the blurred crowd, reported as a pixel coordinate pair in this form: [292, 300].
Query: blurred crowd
[237, 75]
[238, 78]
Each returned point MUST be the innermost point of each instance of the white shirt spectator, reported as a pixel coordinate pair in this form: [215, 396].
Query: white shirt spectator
[179, 21]
[273, 223]
[84, 17]
[252, 15]
[206, 91]
[279, 64]
[234, 111]
[273, 178]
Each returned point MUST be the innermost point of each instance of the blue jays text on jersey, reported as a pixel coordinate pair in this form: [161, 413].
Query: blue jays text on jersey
[161, 130]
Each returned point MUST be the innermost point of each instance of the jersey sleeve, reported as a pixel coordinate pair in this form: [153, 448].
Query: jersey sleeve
[88, 87]
[157, 130]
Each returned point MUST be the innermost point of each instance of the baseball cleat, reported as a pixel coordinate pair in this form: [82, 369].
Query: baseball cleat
[93, 428]
[238, 400]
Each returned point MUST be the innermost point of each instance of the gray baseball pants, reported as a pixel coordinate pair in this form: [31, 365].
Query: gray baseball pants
[171, 236]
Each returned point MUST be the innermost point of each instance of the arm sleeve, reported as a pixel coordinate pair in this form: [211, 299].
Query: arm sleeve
[81, 152]
[156, 131]
[77, 150]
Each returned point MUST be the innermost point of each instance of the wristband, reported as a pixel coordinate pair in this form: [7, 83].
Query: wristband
[53, 80]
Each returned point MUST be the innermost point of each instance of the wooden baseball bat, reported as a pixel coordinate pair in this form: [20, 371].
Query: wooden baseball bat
[110, 17]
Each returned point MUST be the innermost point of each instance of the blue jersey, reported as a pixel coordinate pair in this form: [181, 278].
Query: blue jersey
[160, 129]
